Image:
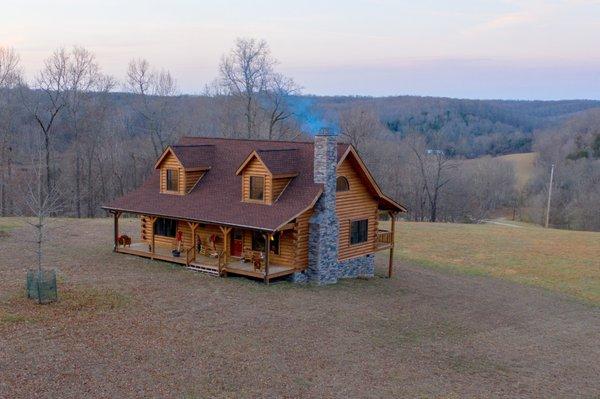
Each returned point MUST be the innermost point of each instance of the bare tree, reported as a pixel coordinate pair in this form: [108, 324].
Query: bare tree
[280, 89]
[245, 72]
[484, 185]
[47, 100]
[10, 75]
[154, 89]
[9, 67]
[435, 170]
[41, 204]
[83, 79]
[359, 124]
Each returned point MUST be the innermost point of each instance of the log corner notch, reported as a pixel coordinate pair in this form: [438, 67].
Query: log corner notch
[116, 215]
[393, 230]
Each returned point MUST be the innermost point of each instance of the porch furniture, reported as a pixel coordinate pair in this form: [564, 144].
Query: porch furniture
[247, 254]
[257, 260]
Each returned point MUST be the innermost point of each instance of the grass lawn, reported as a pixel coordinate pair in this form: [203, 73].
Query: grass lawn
[559, 260]
[126, 326]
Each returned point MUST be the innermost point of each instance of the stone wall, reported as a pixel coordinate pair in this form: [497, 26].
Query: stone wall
[363, 266]
[323, 239]
[323, 225]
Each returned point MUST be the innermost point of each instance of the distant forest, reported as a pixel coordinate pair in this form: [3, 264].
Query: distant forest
[80, 137]
[471, 128]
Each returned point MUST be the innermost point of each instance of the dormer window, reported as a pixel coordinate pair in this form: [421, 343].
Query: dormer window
[257, 188]
[172, 180]
[182, 167]
[266, 174]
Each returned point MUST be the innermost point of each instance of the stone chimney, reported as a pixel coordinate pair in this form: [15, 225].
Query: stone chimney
[324, 229]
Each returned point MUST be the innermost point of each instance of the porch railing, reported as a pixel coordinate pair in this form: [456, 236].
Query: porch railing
[385, 238]
[190, 255]
[221, 262]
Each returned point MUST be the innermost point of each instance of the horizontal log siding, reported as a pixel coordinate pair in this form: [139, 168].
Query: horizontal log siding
[301, 232]
[357, 203]
[202, 231]
[171, 162]
[279, 185]
[191, 178]
[256, 168]
[287, 248]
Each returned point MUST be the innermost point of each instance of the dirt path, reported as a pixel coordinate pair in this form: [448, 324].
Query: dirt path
[148, 329]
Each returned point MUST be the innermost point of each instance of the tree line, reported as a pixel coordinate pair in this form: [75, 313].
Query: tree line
[96, 138]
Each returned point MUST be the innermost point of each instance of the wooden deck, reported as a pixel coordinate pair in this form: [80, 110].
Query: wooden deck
[385, 240]
[206, 264]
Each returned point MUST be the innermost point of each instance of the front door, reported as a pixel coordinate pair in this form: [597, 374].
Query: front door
[237, 243]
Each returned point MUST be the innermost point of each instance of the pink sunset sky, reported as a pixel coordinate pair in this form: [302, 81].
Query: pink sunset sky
[510, 49]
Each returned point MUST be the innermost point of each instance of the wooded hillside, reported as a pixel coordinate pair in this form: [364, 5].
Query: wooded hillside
[97, 138]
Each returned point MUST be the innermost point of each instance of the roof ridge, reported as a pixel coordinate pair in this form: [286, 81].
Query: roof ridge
[243, 139]
[277, 149]
[192, 145]
[259, 140]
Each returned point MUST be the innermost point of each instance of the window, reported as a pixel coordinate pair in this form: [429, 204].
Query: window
[165, 227]
[257, 188]
[275, 243]
[172, 180]
[341, 184]
[258, 241]
[359, 231]
[259, 244]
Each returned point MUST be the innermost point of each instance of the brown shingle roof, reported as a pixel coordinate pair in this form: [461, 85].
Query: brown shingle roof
[280, 162]
[194, 155]
[217, 197]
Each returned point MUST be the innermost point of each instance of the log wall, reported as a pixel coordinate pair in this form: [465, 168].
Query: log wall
[171, 162]
[354, 204]
[256, 168]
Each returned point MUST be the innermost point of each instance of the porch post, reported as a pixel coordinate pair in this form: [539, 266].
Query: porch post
[116, 225]
[152, 221]
[393, 229]
[193, 227]
[226, 250]
[267, 252]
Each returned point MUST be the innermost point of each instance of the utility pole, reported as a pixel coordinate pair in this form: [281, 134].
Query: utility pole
[549, 195]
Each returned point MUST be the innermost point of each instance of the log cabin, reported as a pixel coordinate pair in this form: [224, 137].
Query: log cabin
[306, 211]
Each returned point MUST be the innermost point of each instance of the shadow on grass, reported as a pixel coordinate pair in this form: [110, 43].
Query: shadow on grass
[72, 301]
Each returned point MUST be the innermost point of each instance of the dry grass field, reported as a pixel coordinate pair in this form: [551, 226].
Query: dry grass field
[523, 165]
[129, 327]
[558, 260]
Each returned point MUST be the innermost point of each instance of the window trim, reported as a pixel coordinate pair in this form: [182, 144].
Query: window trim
[345, 179]
[351, 221]
[155, 227]
[264, 189]
[167, 170]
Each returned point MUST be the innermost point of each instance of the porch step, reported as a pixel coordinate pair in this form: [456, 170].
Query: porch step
[213, 271]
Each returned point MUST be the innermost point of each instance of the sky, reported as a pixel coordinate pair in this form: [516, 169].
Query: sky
[505, 49]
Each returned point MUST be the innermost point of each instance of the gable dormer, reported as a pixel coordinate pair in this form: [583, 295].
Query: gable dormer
[182, 167]
[266, 174]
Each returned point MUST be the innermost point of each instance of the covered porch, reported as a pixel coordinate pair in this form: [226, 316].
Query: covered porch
[213, 249]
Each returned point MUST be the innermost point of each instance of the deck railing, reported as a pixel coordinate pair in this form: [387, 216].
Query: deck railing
[221, 262]
[190, 255]
[385, 238]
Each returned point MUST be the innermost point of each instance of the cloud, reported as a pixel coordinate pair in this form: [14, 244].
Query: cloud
[506, 20]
